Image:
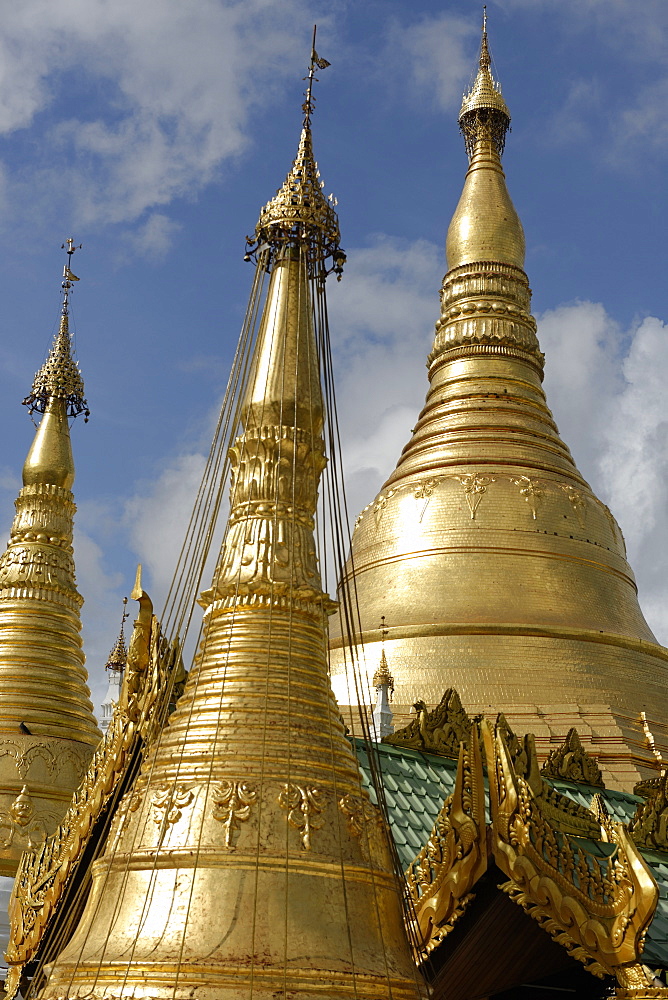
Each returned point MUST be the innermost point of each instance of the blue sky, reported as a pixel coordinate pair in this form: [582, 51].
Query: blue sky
[153, 133]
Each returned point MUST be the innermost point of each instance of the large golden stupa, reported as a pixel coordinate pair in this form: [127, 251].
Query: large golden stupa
[498, 570]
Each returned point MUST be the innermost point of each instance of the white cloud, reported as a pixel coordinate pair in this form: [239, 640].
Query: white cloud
[382, 319]
[154, 237]
[173, 85]
[157, 518]
[437, 52]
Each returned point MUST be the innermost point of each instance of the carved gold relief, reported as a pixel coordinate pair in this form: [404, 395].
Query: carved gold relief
[475, 486]
[441, 877]
[439, 731]
[597, 907]
[168, 803]
[232, 801]
[649, 826]
[22, 824]
[303, 804]
[531, 491]
[572, 762]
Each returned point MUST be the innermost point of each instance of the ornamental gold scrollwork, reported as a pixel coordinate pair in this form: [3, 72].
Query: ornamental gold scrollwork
[475, 487]
[531, 491]
[168, 802]
[303, 804]
[43, 873]
[424, 491]
[439, 731]
[571, 761]
[360, 812]
[597, 906]
[441, 877]
[649, 826]
[232, 801]
[577, 502]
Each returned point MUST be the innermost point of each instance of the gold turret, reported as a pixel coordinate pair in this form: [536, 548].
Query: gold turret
[247, 860]
[503, 575]
[47, 727]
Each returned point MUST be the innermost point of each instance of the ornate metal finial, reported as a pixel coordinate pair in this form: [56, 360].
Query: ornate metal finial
[484, 113]
[300, 214]
[119, 651]
[59, 377]
[383, 682]
[316, 63]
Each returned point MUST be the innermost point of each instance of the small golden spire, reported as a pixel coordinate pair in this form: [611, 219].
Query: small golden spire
[382, 675]
[300, 212]
[119, 651]
[59, 377]
[43, 691]
[484, 113]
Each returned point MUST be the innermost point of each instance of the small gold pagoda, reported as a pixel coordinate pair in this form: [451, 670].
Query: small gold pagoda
[247, 859]
[499, 571]
[47, 727]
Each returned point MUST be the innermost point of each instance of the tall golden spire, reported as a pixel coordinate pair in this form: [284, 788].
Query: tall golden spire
[247, 860]
[47, 728]
[502, 574]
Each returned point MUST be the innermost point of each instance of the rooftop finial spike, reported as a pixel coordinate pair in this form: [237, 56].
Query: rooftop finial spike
[119, 652]
[316, 63]
[300, 214]
[59, 377]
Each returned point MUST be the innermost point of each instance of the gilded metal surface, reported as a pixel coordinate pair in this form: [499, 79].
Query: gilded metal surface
[47, 727]
[499, 572]
[649, 826]
[248, 859]
[441, 731]
[59, 377]
[300, 201]
[571, 761]
[441, 877]
[44, 874]
[597, 906]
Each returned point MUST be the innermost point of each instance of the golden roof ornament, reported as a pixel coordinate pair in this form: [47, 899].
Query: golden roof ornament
[571, 762]
[484, 113]
[60, 377]
[300, 211]
[119, 653]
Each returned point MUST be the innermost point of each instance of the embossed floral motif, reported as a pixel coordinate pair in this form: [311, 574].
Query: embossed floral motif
[424, 491]
[475, 487]
[359, 812]
[379, 507]
[531, 492]
[576, 501]
[304, 805]
[232, 801]
[168, 803]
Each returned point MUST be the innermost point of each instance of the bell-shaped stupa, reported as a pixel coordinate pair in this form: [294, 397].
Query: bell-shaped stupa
[498, 570]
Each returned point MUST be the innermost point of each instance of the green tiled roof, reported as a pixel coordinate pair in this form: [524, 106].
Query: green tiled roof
[417, 783]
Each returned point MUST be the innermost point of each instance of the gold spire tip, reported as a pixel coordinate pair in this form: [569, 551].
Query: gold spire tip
[59, 377]
[484, 113]
[300, 214]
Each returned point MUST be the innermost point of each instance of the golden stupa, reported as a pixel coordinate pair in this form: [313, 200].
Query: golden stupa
[498, 570]
[47, 727]
[247, 859]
